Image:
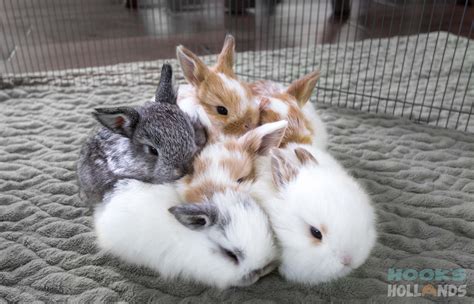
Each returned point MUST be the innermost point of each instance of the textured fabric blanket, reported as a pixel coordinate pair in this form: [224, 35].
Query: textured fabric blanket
[421, 180]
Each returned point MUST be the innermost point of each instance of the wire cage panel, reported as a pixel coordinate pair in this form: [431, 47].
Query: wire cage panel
[405, 58]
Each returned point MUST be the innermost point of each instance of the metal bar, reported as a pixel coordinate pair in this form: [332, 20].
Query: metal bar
[414, 56]
[386, 59]
[432, 61]
[360, 60]
[396, 51]
[441, 63]
[464, 98]
[452, 60]
[459, 78]
[353, 50]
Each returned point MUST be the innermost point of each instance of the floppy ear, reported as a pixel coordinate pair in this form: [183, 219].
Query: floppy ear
[194, 70]
[302, 88]
[225, 60]
[262, 139]
[282, 169]
[195, 216]
[121, 120]
[165, 91]
[305, 157]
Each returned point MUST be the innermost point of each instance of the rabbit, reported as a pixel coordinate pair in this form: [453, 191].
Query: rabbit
[322, 218]
[230, 163]
[223, 241]
[223, 104]
[291, 103]
[155, 143]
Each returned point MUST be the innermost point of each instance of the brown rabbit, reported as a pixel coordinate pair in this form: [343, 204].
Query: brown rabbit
[291, 103]
[214, 94]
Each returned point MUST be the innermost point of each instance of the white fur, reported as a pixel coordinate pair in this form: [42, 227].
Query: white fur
[278, 106]
[120, 147]
[134, 224]
[189, 104]
[234, 85]
[321, 193]
[320, 138]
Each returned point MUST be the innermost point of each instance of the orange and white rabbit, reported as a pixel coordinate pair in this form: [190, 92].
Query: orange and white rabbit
[278, 102]
[214, 95]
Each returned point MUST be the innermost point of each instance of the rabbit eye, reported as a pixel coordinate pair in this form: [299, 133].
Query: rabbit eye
[316, 233]
[231, 255]
[240, 180]
[221, 110]
[151, 150]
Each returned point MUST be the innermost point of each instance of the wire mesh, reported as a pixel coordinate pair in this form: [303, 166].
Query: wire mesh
[409, 58]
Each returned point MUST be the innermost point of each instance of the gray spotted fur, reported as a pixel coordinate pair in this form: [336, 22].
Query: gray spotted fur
[121, 148]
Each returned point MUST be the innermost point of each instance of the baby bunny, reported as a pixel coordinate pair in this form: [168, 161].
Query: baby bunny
[221, 102]
[291, 104]
[225, 240]
[153, 143]
[229, 164]
[322, 218]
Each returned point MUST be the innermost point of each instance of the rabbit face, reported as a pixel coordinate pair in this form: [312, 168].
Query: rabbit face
[229, 103]
[230, 164]
[322, 218]
[240, 241]
[277, 103]
[167, 152]
[157, 142]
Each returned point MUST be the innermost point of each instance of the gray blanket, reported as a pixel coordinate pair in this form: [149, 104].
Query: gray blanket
[421, 180]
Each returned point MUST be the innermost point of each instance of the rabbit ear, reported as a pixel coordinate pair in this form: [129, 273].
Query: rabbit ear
[196, 216]
[262, 139]
[122, 120]
[200, 135]
[194, 70]
[305, 157]
[282, 169]
[302, 88]
[165, 91]
[225, 60]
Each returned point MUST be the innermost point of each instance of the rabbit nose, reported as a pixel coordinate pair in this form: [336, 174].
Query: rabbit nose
[346, 260]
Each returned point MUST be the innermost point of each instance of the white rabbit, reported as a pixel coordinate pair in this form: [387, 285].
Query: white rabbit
[322, 218]
[278, 102]
[223, 241]
[219, 236]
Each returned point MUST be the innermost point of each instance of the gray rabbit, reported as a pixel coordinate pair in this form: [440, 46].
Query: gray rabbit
[154, 143]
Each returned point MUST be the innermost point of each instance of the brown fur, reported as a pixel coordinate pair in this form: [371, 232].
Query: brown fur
[240, 168]
[264, 88]
[201, 164]
[299, 128]
[212, 91]
[202, 191]
[282, 170]
[304, 156]
[232, 145]
[302, 88]
[225, 60]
